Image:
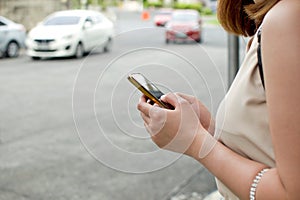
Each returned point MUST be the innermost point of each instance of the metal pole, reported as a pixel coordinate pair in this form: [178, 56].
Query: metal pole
[233, 57]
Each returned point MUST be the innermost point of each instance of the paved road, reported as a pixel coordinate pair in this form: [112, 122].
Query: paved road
[108, 154]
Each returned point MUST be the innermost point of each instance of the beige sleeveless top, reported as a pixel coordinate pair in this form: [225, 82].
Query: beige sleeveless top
[242, 119]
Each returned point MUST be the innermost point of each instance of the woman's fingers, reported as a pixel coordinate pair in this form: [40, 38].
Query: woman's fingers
[189, 98]
[146, 118]
[193, 101]
[155, 123]
[172, 99]
[143, 98]
[143, 106]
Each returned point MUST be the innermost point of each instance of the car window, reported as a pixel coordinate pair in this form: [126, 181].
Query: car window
[164, 13]
[183, 17]
[97, 18]
[62, 20]
[2, 23]
[89, 19]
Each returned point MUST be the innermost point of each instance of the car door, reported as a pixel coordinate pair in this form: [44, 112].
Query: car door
[88, 33]
[3, 36]
[100, 30]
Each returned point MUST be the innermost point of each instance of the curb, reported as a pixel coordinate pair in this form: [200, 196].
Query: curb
[196, 187]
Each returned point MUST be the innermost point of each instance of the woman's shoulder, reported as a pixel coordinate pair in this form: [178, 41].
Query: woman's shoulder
[282, 23]
[285, 14]
[280, 38]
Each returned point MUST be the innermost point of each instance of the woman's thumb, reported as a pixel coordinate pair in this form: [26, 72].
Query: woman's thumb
[171, 98]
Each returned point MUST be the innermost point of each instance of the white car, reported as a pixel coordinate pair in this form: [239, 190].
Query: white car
[70, 33]
[12, 37]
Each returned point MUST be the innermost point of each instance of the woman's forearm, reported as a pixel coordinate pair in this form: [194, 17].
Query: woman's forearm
[211, 127]
[238, 172]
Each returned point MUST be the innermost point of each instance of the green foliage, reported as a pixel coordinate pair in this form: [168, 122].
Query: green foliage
[158, 4]
[213, 20]
[194, 6]
[206, 11]
[75, 4]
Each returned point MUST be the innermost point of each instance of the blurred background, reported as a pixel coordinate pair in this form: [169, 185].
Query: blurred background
[30, 12]
[69, 127]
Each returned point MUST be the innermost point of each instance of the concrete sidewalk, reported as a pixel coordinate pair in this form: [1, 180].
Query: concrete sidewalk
[200, 186]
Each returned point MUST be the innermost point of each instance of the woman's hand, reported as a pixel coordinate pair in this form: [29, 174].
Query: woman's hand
[176, 130]
[205, 119]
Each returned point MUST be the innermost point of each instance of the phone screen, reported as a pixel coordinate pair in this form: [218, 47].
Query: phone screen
[148, 85]
[149, 89]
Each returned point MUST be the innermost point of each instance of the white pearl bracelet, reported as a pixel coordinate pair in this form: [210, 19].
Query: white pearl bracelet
[255, 183]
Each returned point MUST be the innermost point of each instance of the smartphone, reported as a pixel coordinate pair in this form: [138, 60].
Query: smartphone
[149, 89]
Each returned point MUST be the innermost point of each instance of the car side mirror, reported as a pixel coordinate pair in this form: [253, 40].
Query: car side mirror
[87, 25]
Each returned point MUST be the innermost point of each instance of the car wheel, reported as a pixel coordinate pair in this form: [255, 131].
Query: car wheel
[79, 51]
[108, 45]
[35, 58]
[199, 40]
[12, 49]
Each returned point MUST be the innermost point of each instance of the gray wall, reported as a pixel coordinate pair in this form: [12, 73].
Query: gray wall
[30, 12]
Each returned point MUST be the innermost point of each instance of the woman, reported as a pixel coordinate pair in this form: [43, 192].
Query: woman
[257, 154]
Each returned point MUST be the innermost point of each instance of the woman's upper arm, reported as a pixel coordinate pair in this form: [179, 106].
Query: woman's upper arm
[281, 62]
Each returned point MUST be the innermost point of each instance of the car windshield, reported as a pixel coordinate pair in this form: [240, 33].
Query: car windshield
[5, 21]
[62, 20]
[164, 13]
[184, 17]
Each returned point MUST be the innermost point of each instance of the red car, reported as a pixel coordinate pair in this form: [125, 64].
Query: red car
[185, 25]
[162, 17]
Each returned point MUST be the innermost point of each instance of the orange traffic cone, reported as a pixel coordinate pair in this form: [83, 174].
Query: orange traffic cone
[145, 15]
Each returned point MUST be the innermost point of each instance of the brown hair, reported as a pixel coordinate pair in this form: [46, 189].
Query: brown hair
[243, 17]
